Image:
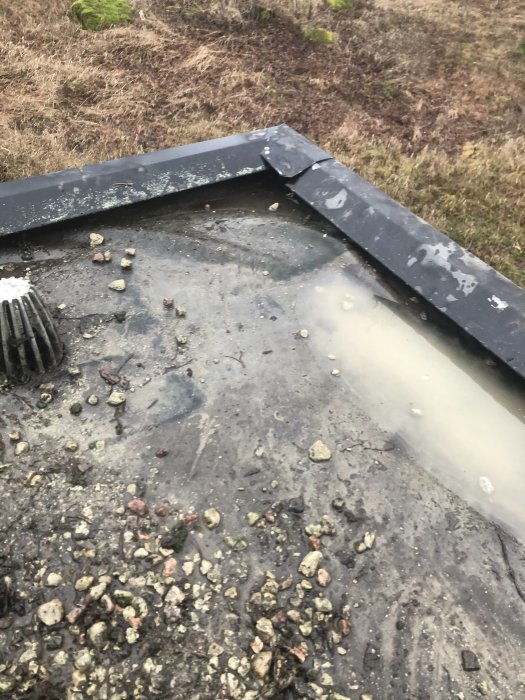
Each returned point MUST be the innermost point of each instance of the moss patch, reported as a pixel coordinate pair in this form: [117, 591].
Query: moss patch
[317, 34]
[101, 14]
[519, 51]
[340, 4]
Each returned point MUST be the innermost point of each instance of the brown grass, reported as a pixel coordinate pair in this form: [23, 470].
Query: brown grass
[479, 199]
[425, 99]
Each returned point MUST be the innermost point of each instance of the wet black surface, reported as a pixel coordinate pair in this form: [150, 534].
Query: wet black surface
[234, 397]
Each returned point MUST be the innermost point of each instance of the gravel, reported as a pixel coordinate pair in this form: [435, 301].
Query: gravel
[95, 239]
[212, 518]
[310, 564]
[51, 613]
[116, 398]
[117, 285]
[319, 452]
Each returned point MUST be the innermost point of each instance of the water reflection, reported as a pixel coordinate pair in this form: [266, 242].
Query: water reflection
[465, 431]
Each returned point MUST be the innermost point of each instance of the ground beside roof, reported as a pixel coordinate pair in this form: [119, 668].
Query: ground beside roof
[424, 99]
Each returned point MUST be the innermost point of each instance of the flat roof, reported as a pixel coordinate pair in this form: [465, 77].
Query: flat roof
[480, 301]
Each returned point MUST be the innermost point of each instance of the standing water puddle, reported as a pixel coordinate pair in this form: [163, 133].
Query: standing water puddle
[462, 424]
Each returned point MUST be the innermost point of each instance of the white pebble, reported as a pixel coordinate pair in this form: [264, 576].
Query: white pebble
[486, 485]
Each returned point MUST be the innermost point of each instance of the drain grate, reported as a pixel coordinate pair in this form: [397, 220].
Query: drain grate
[29, 339]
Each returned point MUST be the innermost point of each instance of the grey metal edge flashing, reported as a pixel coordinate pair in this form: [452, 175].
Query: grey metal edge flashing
[47, 199]
[290, 153]
[482, 302]
[62, 196]
[486, 305]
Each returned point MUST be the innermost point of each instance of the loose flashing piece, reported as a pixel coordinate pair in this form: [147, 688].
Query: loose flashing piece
[480, 301]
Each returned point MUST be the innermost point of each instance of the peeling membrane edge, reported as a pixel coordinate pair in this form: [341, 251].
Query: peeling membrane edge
[290, 153]
[482, 302]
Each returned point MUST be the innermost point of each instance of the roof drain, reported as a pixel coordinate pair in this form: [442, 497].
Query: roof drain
[29, 340]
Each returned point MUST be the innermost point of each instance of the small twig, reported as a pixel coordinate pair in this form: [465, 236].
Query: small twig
[12, 393]
[510, 571]
[237, 359]
[351, 447]
[170, 368]
[79, 517]
[128, 358]
[121, 543]
[380, 449]
[449, 679]
[104, 317]
[387, 448]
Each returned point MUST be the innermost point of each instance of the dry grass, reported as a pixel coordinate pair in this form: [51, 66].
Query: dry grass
[424, 99]
[478, 199]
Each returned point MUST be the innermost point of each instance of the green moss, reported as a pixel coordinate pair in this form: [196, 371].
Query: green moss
[340, 4]
[266, 14]
[317, 34]
[519, 51]
[391, 88]
[101, 14]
